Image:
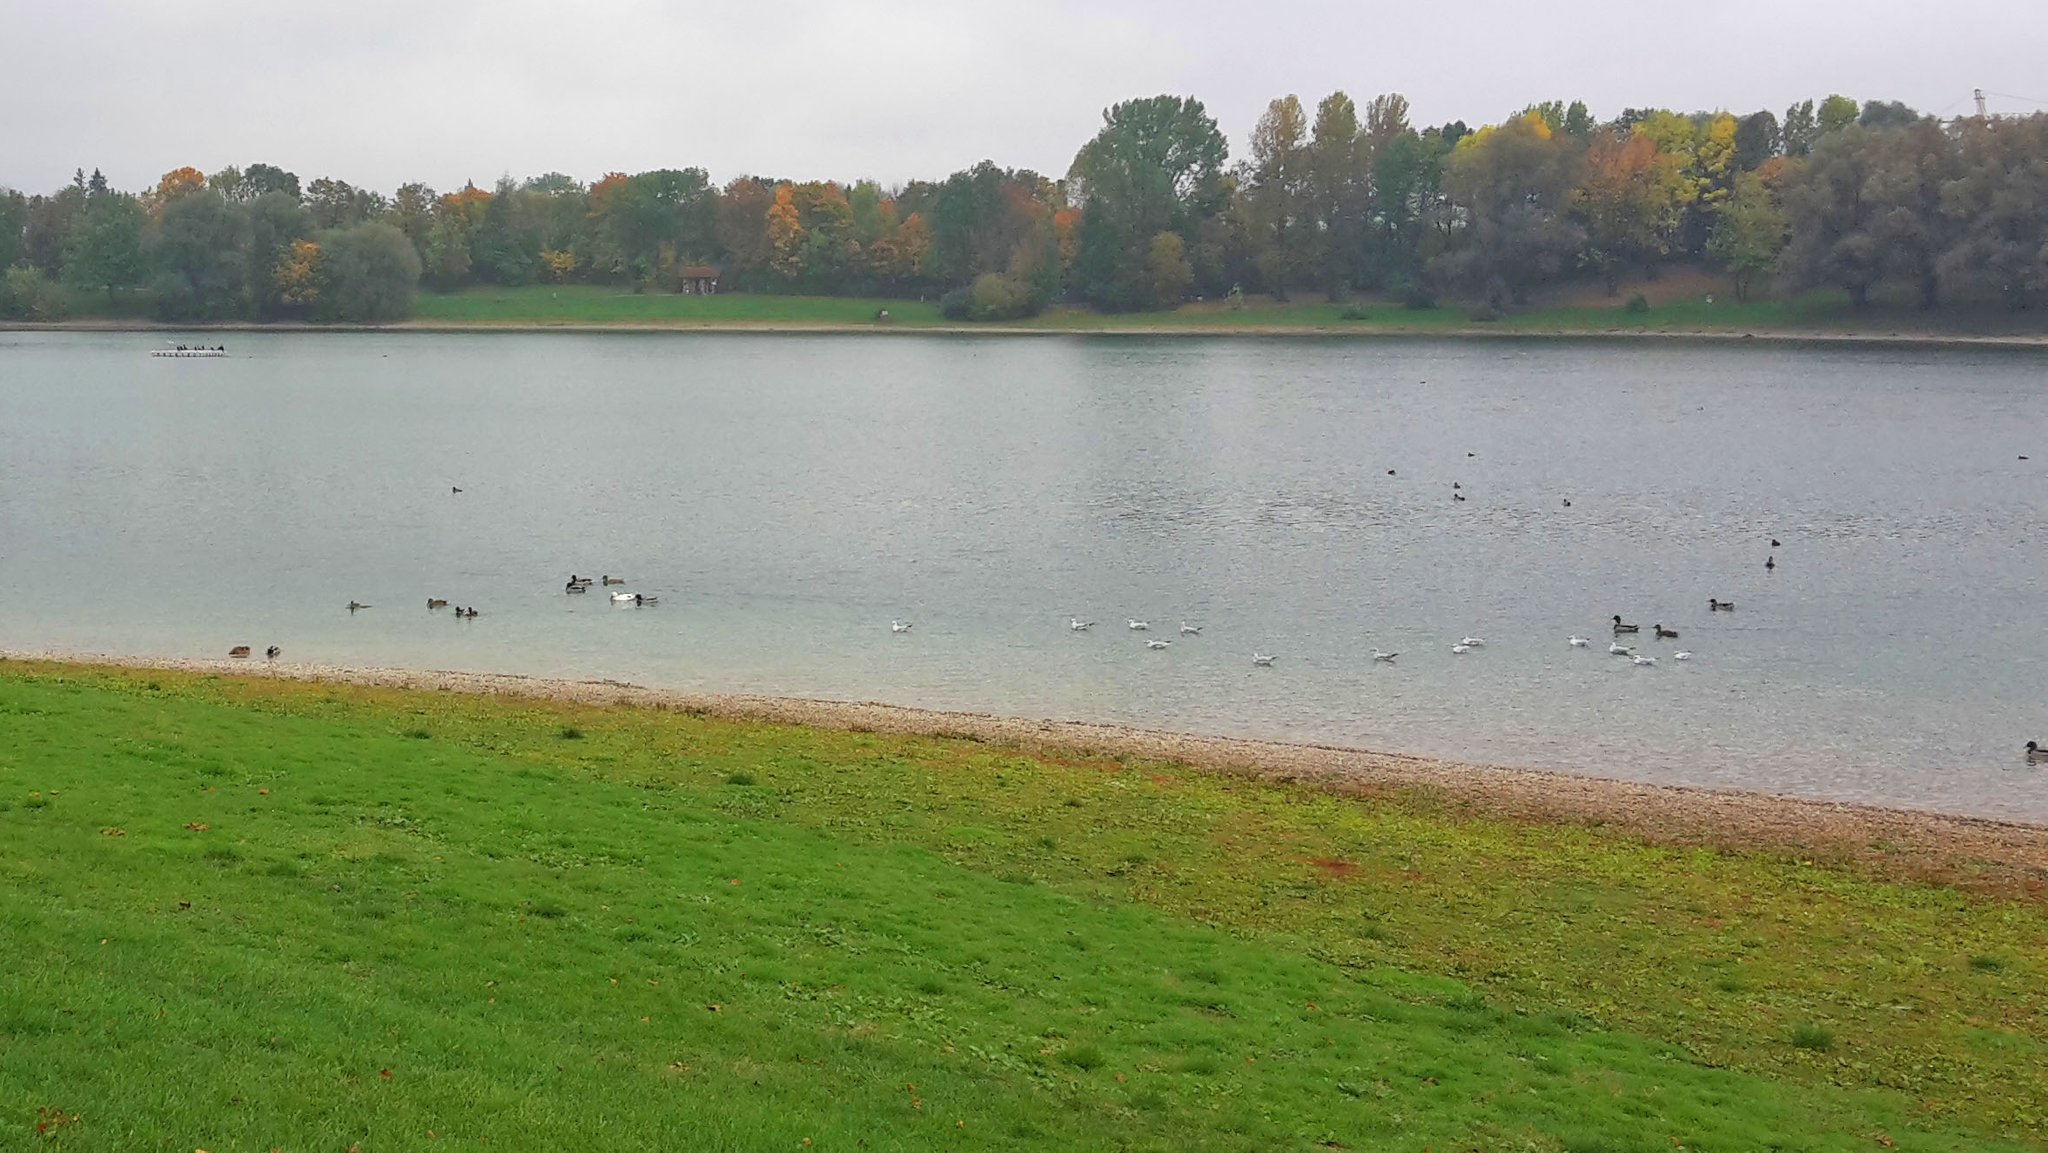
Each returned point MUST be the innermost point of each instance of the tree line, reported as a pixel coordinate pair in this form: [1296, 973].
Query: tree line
[1151, 213]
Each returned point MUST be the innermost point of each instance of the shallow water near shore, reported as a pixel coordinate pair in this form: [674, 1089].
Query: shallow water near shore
[787, 496]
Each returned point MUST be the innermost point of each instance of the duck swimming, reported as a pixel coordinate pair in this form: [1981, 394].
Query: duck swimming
[1664, 634]
[1714, 606]
[354, 605]
[1622, 628]
[436, 603]
[243, 651]
[2036, 755]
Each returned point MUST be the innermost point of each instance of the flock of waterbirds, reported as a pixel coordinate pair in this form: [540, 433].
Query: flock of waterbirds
[2035, 753]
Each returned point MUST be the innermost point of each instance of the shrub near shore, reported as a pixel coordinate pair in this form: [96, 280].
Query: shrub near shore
[256, 913]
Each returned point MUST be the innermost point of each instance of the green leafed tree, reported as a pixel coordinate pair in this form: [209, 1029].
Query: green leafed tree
[1835, 113]
[1800, 129]
[1831, 218]
[1512, 185]
[1997, 203]
[106, 252]
[368, 274]
[276, 220]
[1749, 232]
[1155, 166]
[199, 251]
[1279, 188]
[13, 227]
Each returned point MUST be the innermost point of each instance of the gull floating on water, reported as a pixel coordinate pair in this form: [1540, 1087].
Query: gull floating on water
[1682, 655]
[899, 626]
[1137, 626]
[1387, 657]
[1261, 660]
[1473, 642]
[1580, 642]
[1188, 630]
[1079, 625]
[1461, 648]
[1155, 644]
[1643, 660]
[1620, 650]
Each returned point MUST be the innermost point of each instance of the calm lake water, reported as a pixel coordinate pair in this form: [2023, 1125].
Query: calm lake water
[787, 496]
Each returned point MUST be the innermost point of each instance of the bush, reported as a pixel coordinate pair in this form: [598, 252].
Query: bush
[1412, 294]
[1637, 304]
[1354, 312]
[992, 296]
[25, 294]
[1813, 1038]
[996, 297]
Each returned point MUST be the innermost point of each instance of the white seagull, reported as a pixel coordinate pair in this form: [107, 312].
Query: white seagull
[1079, 625]
[1387, 657]
[1137, 626]
[1155, 644]
[1188, 630]
[1619, 650]
[1683, 655]
[1643, 660]
[1461, 648]
[899, 626]
[1580, 642]
[1473, 642]
[1261, 660]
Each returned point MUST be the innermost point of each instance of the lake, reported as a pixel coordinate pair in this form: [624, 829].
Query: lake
[788, 496]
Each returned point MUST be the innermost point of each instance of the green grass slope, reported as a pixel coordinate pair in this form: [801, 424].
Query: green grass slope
[1681, 312]
[243, 914]
[576, 304]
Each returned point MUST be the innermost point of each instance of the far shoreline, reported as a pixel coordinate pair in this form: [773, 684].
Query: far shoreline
[1780, 337]
[1980, 853]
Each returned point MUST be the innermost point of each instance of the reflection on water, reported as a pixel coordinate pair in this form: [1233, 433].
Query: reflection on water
[786, 497]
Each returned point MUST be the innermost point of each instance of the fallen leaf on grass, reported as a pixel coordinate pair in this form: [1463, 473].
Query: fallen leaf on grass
[113, 832]
[384, 1073]
[195, 827]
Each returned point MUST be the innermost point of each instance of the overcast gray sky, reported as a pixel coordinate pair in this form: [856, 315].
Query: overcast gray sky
[378, 92]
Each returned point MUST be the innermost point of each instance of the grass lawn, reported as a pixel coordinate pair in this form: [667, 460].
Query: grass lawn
[252, 914]
[571, 304]
[1817, 312]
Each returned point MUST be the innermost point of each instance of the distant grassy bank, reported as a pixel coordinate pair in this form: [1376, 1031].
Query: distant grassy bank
[1680, 307]
[242, 913]
[1818, 313]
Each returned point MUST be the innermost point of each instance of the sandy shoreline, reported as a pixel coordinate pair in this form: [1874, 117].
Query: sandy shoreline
[1973, 852]
[1359, 332]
